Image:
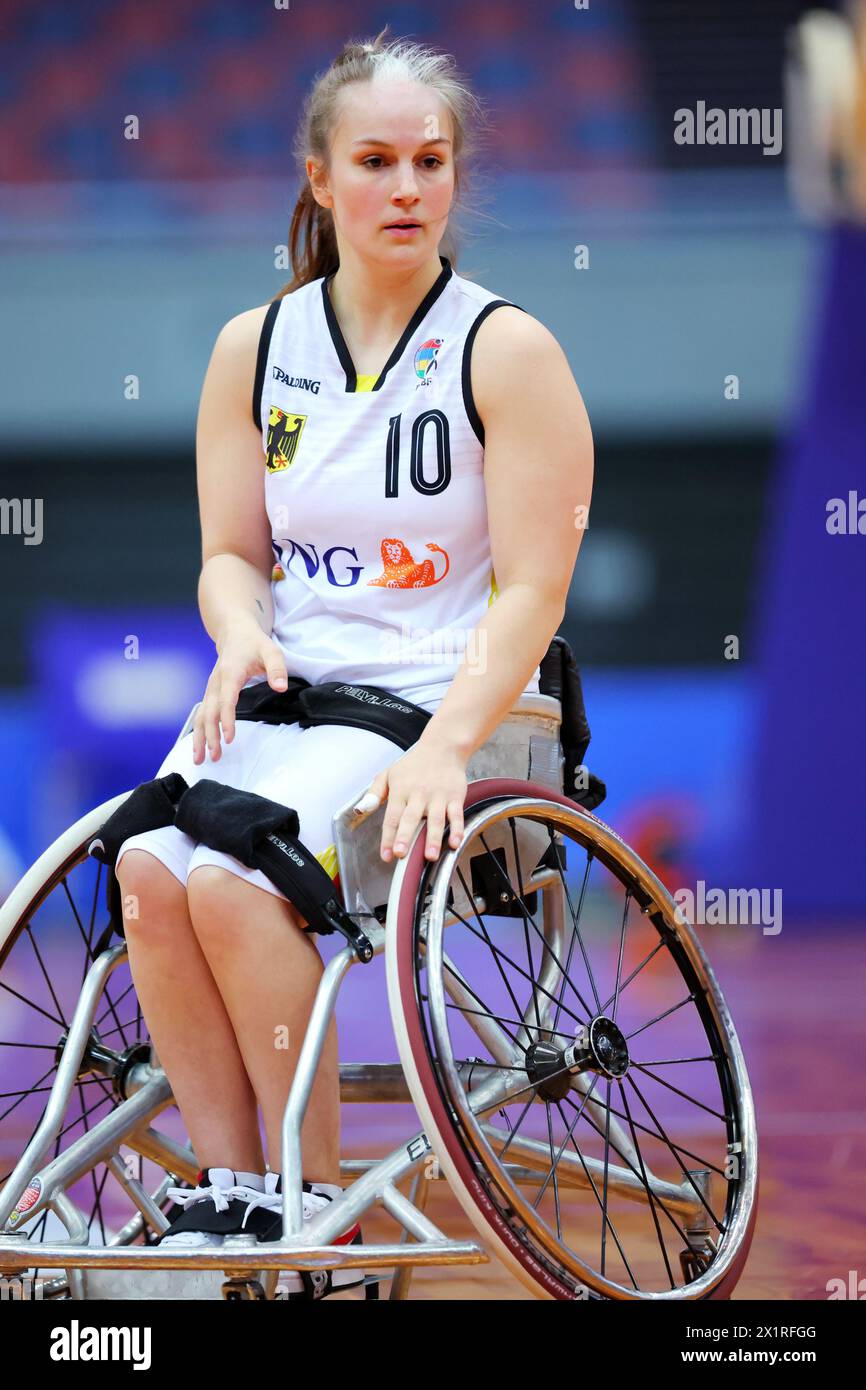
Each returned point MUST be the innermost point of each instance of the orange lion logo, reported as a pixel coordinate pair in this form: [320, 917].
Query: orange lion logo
[399, 570]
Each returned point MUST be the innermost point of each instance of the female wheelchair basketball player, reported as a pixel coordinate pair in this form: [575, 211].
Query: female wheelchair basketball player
[396, 510]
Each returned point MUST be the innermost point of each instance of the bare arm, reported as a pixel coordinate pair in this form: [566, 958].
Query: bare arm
[538, 467]
[538, 470]
[235, 534]
[234, 589]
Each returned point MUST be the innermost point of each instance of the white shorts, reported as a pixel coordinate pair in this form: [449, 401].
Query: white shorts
[315, 771]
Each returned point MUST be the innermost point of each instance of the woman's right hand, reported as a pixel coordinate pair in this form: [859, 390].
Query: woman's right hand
[244, 651]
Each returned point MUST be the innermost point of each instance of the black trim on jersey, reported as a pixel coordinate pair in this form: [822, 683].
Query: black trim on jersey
[412, 326]
[468, 400]
[262, 359]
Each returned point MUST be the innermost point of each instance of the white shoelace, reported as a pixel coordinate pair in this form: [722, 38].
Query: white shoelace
[313, 1202]
[220, 1196]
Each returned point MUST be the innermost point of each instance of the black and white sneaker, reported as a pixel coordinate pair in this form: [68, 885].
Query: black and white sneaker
[218, 1206]
[317, 1283]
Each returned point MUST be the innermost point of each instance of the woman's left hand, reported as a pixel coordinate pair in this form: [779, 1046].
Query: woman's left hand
[426, 782]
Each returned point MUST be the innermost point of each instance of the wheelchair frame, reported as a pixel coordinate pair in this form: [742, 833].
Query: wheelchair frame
[525, 748]
[526, 744]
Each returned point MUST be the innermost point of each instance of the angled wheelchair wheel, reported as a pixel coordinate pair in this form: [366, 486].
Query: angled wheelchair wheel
[53, 925]
[571, 1055]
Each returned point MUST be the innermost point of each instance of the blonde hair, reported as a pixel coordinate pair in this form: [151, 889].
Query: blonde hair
[312, 238]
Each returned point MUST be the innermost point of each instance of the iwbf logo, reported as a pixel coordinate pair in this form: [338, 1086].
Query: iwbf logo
[76, 1343]
[426, 361]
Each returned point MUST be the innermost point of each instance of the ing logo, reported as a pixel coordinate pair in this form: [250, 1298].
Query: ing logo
[284, 435]
[401, 571]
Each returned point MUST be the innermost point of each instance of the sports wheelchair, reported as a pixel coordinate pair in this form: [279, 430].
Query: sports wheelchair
[562, 1037]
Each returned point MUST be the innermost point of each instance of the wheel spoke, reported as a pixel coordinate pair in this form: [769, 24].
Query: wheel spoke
[58, 1006]
[675, 1061]
[26, 1093]
[497, 950]
[516, 1127]
[490, 945]
[649, 1192]
[566, 977]
[29, 1002]
[535, 927]
[87, 939]
[606, 1171]
[38, 1090]
[628, 1163]
[553, 1171]
[699, 1159]
[487, 1012]
[591, 1182]
[461, 1008]
[570, 1128]
[672, 1149]
[638, 968]
[525, 927]
[620, 956]
[119, 1000]
[660, 1079]
[119, 1029]
[576, 928]
[690, 999]
[83, 1116]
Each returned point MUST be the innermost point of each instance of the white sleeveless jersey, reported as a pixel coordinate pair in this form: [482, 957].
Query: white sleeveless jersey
[375, 492]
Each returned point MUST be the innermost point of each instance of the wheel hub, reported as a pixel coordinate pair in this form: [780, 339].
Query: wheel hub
[600, 1047]
[101, 1060]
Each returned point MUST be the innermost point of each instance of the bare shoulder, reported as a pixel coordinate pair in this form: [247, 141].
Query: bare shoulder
[240, 335]
[515, 351]
[515, 330]
[235, 352]
[246, 326]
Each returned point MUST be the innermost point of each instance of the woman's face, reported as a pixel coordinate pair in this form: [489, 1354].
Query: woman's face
[391, 159]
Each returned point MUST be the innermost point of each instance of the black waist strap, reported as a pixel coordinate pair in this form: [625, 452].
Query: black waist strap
[259, 832]
[263, 835]
[230, 820]
[335, 702]
[151, 806]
